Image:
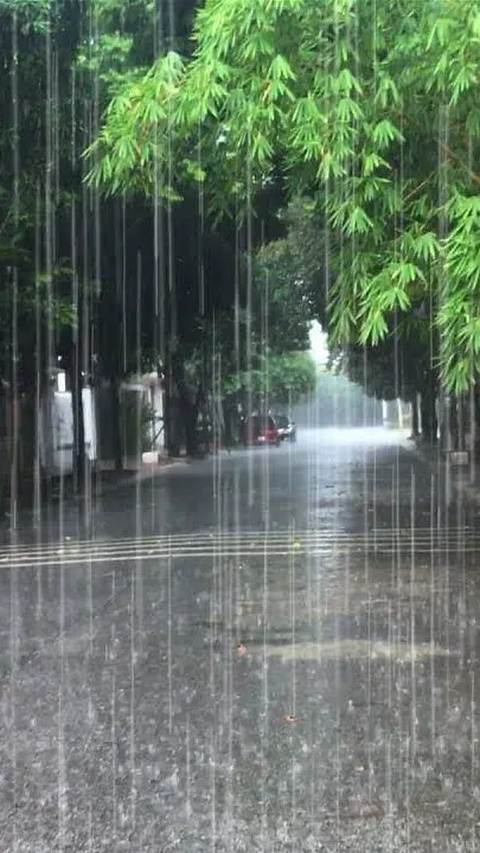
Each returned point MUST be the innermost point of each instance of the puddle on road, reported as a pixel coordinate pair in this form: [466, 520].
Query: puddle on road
[356, 650]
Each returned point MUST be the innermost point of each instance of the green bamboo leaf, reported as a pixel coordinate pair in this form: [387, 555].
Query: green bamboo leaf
[385, 132]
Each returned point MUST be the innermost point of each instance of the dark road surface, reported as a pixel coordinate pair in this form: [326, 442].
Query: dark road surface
[275, 650]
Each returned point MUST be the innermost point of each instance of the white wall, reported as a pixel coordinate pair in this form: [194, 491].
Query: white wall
[57, 431]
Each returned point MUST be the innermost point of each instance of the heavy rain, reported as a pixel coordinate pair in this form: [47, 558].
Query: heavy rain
[239, 411]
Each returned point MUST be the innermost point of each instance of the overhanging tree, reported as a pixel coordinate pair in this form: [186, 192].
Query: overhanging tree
[37, 48]
[369, 108]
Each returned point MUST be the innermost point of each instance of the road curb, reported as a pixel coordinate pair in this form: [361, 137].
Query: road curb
[144, 473]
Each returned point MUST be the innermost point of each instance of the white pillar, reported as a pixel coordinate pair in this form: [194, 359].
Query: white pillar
[400, 413]
[384, 412]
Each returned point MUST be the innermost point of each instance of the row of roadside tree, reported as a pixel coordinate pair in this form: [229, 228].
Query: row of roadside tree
[185, 186]
[107, 286]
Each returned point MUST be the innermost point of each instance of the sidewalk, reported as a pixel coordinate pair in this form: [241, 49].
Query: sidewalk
[464, 478]
[100, 483]
[107, 480]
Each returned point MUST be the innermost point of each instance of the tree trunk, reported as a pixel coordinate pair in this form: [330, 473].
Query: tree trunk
[428, 413]
[116, 424]
[78, 455]
[415, 419]
[463, 421]
[187, 409]
[172, 443]
[476, 405]
[229, 412]
[453, 422]
[189, 414]
[474, 421]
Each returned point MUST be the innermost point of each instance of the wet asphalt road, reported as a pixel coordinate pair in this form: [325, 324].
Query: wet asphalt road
[275, 650]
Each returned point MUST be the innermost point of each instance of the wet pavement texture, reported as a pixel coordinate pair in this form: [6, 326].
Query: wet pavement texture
[272, 650]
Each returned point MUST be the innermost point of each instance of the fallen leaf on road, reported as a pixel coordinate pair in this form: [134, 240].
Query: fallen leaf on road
[357, 650]
[366, 811]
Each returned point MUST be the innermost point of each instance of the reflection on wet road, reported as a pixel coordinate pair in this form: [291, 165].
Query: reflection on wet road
[272, 651]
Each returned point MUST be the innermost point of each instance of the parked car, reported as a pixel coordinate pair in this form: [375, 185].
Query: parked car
[260, 429]
[287, 429]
